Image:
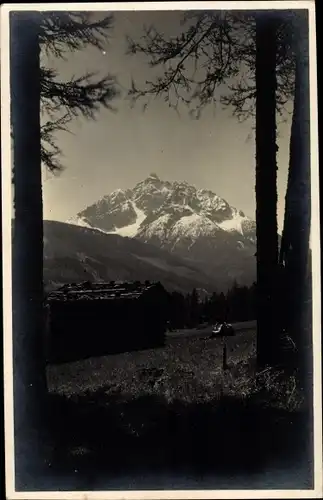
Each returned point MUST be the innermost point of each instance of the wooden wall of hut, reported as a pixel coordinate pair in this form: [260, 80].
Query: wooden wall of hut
[84, 328]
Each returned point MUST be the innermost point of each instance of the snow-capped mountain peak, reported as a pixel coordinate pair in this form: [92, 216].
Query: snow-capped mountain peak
[153, 176]
[173, 215]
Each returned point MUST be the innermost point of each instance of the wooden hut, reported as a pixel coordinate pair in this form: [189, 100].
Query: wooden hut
[95, 319]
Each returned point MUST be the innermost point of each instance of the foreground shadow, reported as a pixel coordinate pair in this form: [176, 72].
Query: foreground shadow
[106, 436]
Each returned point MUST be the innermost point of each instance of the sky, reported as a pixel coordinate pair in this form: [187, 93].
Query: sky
[121, 148]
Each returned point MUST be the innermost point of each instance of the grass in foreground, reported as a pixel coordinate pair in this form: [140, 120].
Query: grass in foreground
[173, 409]
[188, 369]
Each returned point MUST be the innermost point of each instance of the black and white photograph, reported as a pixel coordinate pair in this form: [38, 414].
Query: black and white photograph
[161, 250]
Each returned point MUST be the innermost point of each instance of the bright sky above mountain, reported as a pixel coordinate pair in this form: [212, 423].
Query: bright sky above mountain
[119, 149]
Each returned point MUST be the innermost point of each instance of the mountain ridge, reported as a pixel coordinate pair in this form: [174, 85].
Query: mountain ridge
[194, 224]
[129, 212]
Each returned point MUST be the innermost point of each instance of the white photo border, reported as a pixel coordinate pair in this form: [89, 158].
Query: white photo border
[317, 491]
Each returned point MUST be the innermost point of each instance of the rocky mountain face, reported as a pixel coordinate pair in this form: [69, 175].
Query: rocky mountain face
[194, 224]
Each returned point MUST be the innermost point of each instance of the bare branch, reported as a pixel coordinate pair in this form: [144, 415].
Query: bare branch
[214, 48]
[61, 101]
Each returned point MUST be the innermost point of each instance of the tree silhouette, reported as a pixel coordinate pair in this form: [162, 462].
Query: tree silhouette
[61, 101]
[177, 310]
[28, 361]
[247, 52]
[211, 308]
[222, 308]
[214, 47]
[266, 189]
[239, 303]
[35, 89]
[295, 252]
[194, 308]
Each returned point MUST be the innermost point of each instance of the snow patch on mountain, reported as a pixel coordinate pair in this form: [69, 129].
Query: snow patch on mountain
[194, 226]
[210, 200]
[158, 227]
[80, 221]
[132, 229]
[116, 193]
[234, 224]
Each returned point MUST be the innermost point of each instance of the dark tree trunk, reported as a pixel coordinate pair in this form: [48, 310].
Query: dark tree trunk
[30, 389]
[266, 190]
[295, 254]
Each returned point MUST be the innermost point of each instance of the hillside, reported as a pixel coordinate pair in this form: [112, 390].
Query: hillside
[73, 253]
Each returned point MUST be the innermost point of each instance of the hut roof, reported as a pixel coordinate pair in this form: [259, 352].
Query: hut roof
[99, 291]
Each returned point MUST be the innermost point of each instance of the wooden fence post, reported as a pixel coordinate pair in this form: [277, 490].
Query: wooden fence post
[224, 356]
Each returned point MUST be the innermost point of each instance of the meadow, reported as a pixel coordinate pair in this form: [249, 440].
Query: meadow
[175, 409]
